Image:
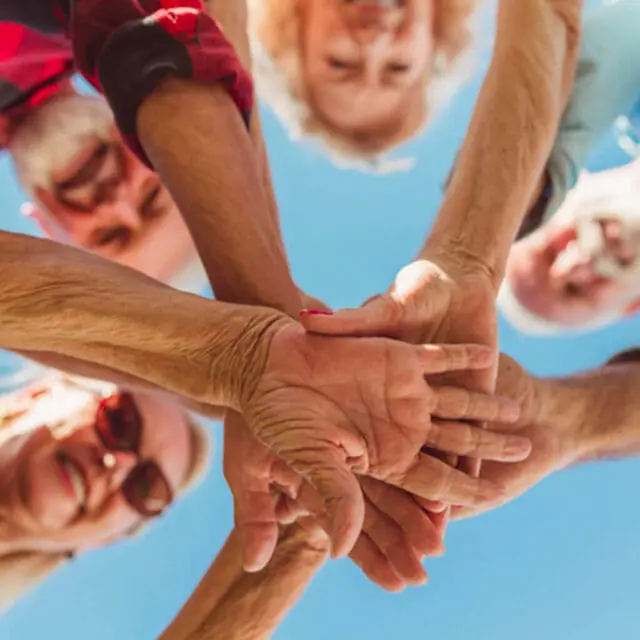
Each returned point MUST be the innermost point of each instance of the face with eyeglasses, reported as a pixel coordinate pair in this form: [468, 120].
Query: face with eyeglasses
[94, 475]
[364, 61]
[90, 190]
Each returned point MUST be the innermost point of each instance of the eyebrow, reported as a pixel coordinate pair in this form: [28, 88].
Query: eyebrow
[88, 171]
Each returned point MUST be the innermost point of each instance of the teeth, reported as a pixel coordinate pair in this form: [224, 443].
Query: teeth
[77, 481]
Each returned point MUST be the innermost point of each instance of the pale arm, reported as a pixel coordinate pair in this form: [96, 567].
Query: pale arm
[234, 605]
[511, 132]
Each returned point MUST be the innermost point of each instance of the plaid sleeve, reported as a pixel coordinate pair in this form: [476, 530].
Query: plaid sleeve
[126, 48]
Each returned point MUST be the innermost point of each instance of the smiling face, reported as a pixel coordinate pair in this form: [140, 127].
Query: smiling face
[71, 159]
[359, 77]
[74, 489]
[364, 62]
[585, 264]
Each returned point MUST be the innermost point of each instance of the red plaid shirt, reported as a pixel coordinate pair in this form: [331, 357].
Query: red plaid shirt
[32, 68]
[126, 48]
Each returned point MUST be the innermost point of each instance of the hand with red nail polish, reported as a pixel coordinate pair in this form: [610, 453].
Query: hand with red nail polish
[331, 407]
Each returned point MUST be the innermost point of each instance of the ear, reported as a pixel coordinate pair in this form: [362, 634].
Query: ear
[632, 309]
[48, 224]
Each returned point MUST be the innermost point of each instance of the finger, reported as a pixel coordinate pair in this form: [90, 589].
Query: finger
[456, 403]
[470, 466]
[289, 510]
[441, 358]
[257, 526]
[461, 513]
[408, 515]
[435, 480]
[391, 541]
[430, 506]
[326, 469]
[440, 521]
[375, 565]
[465, 439]
[378, 318]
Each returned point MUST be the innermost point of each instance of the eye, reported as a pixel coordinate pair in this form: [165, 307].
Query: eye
[339, 63]
[398, 67]
[117, 237]
[151, 205]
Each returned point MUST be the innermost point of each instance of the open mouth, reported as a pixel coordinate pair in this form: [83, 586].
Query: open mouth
[596, 250]
[74, 479]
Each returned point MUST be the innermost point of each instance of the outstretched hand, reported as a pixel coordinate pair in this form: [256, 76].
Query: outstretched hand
[329, 408]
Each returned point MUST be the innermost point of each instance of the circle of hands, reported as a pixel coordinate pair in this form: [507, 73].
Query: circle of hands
[355, 427]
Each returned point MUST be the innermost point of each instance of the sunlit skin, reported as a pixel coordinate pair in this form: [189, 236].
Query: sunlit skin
[39, 498]
[557, 281]
[90, 190]
[363, 63]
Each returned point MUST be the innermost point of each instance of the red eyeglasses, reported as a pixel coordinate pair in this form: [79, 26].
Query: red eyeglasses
[119, 428]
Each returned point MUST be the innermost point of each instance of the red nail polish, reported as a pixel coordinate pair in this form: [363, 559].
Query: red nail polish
[315, 312]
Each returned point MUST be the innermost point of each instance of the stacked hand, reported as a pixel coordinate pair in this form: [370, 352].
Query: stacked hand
[441, 300]
[556, 442]
[329, 408]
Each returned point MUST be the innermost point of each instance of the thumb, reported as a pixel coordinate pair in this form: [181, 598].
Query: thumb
[379, 317]
[257, 526]
[326, 469]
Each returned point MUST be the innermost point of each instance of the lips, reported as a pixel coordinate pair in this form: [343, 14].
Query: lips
[74, 479]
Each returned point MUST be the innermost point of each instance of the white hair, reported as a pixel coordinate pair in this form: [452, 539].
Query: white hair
[52, 135]
[276, 85]
[529, 323]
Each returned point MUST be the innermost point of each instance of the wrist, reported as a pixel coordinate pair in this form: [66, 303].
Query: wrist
[238, 355]
[459, 258]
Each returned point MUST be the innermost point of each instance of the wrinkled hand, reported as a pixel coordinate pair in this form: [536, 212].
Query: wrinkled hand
[440, 301]
[329, 408]
[258, 479]
[553, 443]
[396, 536]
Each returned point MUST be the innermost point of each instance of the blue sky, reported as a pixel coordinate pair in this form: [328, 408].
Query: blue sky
[561, 562]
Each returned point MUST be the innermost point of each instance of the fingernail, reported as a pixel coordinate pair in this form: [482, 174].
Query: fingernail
[315, 312]
[518, 448]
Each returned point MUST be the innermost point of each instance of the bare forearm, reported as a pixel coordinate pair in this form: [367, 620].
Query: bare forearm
[604, 406]
[510, 135]
[221, 180]
[234, 605]
[65, 301]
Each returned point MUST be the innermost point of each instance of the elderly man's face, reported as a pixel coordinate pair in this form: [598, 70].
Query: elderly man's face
[585, 264]
[363, 61]
[75, 487]
[92, 190]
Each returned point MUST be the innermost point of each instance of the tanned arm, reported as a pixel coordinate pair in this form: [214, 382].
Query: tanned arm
[511, 133]
[234, 605]
[66, 301]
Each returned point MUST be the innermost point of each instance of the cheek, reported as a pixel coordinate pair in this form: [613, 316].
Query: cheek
[112, 523]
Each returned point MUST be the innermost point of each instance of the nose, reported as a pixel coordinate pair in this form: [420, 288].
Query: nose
[118, 465]
[120, 211]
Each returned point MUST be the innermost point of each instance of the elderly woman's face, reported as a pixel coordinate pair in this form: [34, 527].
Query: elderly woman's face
[580, 269]
[80, 483]
[363, 60]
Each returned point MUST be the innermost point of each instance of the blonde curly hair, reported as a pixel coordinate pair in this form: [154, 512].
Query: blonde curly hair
[22, 572]
[275, 27]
